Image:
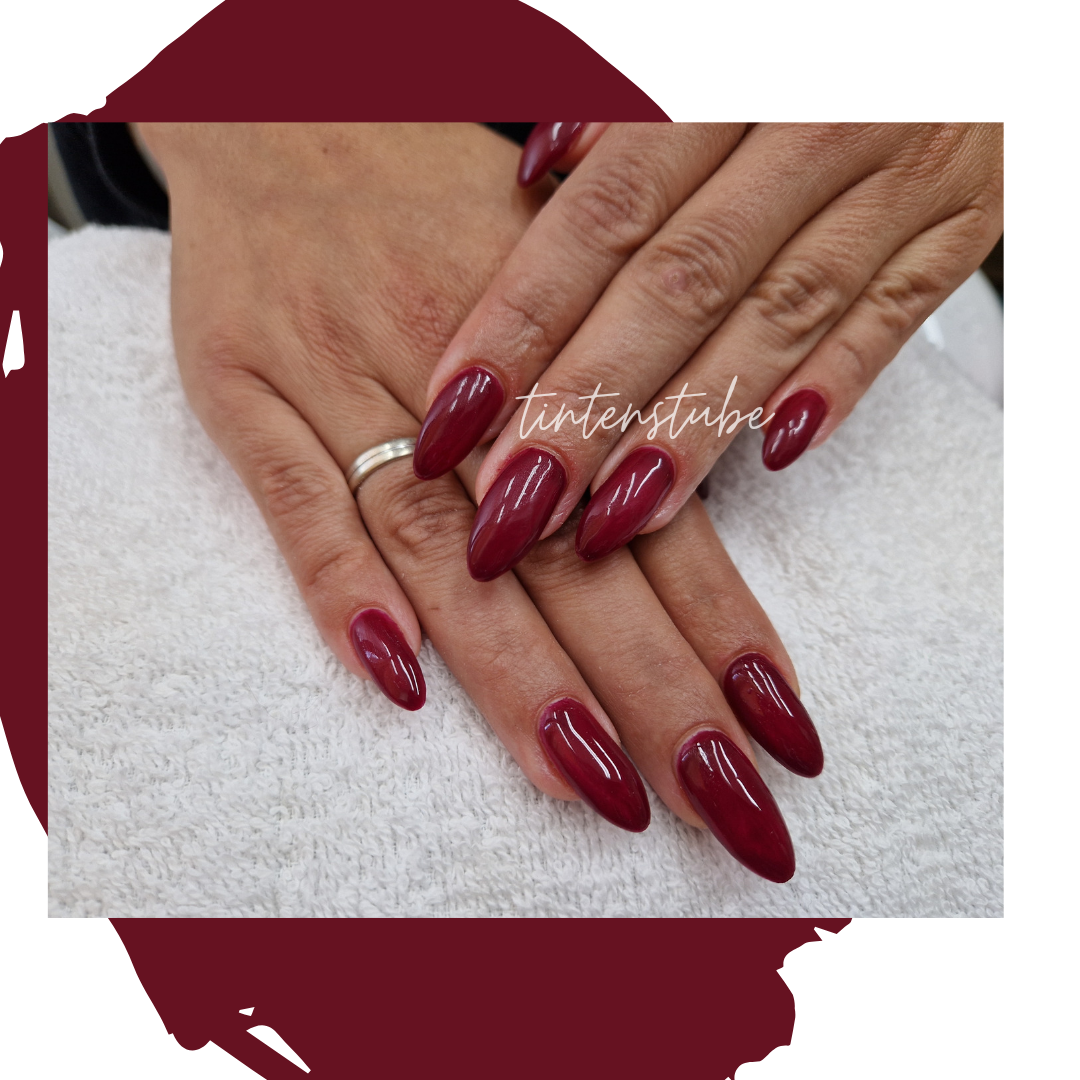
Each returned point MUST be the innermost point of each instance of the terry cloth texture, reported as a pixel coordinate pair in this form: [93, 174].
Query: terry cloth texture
[210, 757]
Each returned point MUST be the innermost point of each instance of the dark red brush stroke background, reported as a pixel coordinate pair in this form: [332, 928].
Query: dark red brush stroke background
[401, 998]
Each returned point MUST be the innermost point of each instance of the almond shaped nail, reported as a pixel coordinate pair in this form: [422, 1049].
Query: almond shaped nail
[773, 714]
[546, 144]
[594, 765]
[514, 512]
[729, 794]
[384, 652]
[792, 428]
[456, 421]
[625, 502]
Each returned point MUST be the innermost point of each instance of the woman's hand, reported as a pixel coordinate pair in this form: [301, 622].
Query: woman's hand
[705, 274]
[318, 272]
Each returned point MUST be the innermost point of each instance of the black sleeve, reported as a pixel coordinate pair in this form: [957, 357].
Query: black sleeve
[109, 178]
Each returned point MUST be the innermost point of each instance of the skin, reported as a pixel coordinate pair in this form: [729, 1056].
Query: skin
[319, 272]
[790, 256]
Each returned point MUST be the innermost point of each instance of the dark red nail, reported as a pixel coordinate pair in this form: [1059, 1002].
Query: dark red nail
[543, 148]
[770, 711]
[727, 791]
[456, 421]
[514, 513]
[385, 653]
[625, 502]
[792, 428]
[591, 762]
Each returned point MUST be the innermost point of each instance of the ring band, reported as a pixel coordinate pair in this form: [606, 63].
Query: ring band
[376, 458]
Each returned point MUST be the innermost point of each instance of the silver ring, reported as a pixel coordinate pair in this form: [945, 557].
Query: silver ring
[376, 458]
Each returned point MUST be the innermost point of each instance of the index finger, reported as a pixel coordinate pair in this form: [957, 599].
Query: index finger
[616, 199]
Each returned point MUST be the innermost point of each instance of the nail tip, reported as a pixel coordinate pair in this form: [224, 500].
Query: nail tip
[427, 474]
[415, 702]
[636, 826]
[527, 179]
[588, 554]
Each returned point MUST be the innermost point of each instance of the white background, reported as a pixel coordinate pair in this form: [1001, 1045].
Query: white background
[886, 999]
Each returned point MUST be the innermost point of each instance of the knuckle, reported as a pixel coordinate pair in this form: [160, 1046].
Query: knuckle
[901, 299]
[418, 519]
[645, 668]
[944, 143]
[328, 572]
[423, 317]
[227, 353]
[323, 327]
[525, 322]
[614, 210]
[293, 491]
[693, 271]
[852, 364]
[796, 299]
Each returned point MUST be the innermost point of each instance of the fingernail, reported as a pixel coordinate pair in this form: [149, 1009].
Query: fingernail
[385, 653]
[625, 502]
[456, 421]
[771, 712]
[792, 428]
[592, 763]
[514, 513]
[543, 148]
[727, 791]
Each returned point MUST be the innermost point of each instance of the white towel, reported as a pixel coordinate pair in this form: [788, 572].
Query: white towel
[210, 757]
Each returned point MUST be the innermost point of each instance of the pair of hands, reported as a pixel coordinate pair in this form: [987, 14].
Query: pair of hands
[319, 274]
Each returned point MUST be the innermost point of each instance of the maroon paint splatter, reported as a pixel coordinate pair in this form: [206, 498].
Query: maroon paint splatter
[408, 60]
[485, 998]
[386, 997]
[24, 463]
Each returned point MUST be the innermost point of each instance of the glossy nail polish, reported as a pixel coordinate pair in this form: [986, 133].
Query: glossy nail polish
[543, 148]
[514, 512]
[727, 791]
[626, 500]
[385, 653]
[792, 428]
[456, 421]
[772, 713]
[592, 763]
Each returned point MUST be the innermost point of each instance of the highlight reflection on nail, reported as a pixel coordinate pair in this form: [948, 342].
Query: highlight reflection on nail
[729, 794]
[593, 764]
[514, 512]
[773, 714]
[456, 421]
[384, 652]
[625, 502]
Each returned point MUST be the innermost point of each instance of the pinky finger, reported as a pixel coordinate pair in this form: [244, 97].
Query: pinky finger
[356, 602]
[559, 145]
[819, 394]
